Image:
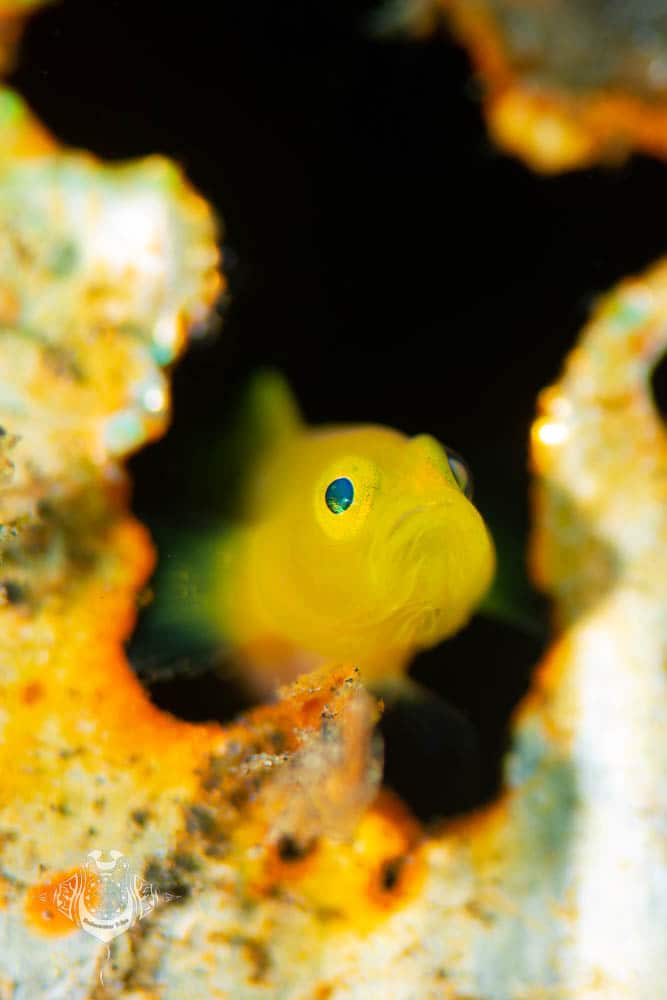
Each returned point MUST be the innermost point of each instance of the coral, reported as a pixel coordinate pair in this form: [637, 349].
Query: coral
[105, 272]
[12, 14]
[22, 134]
[555, 94]
[288, 875]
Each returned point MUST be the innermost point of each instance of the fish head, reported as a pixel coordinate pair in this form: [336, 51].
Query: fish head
[375, 538]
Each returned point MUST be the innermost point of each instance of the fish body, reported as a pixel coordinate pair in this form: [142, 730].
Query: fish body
[355, 544]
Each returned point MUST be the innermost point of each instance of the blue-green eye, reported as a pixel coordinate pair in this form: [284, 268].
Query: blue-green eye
[339, 495]
[461, 472]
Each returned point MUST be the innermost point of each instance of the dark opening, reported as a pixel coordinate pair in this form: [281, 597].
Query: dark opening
[659, 386]
[443, 751]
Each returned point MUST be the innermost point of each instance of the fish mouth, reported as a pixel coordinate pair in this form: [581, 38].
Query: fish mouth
[428, 569]
[412, 555]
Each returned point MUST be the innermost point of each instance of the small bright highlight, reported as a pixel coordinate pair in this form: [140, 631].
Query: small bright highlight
[552, 432]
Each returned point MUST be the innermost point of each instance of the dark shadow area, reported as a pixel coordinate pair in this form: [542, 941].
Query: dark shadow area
[482, 672]
[200, 696]
[433, 757]
[659, 387]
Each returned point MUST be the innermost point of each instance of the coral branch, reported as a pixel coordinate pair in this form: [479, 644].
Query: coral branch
[568, 83]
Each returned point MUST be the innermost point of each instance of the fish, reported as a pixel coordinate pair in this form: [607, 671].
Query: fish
[353, 543]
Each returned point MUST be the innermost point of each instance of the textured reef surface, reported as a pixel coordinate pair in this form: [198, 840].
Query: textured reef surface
[570, 82]
[289, 874]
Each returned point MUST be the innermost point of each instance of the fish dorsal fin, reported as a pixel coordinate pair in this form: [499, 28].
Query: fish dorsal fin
[268, 418]
[270, 411]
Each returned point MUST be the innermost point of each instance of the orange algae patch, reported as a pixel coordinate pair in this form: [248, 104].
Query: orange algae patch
[301, 704]
[41, 910]
[32, 692]
[357, 881]
[392, 837]
[81, 679]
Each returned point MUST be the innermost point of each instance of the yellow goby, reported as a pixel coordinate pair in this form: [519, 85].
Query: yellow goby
[358, 544]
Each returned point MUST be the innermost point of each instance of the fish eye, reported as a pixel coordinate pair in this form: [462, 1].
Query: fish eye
[339, 495]
[461, 473]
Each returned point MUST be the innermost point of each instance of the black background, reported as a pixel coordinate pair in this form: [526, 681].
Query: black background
[380, 252]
